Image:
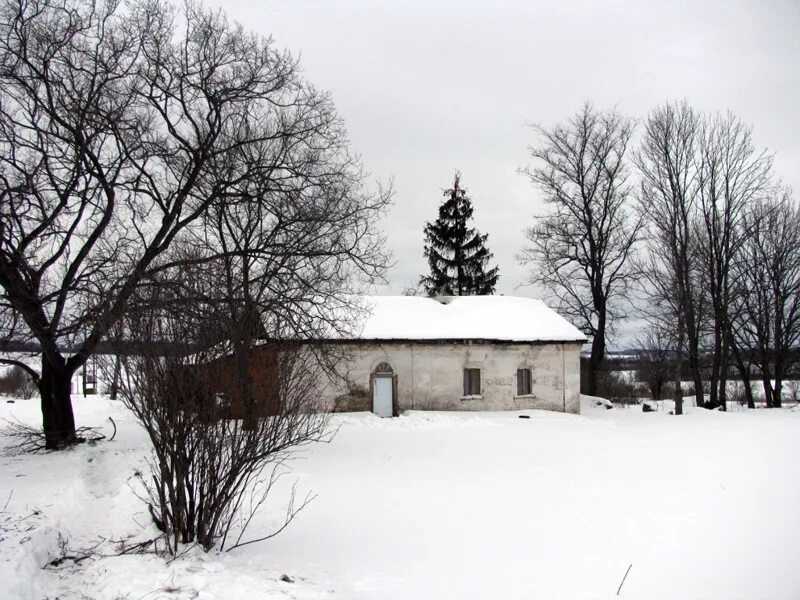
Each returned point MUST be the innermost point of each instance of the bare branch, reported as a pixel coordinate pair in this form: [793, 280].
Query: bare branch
[28, 369]
[123, 132]
[581, 248]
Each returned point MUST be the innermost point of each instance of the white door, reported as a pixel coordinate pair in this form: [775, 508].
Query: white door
[382, 396]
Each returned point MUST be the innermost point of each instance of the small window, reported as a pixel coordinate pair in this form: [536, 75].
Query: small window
[523, 382]
[472, 382]
[384, 367]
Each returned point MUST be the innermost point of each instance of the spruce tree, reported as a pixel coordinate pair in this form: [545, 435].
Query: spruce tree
[457, 253]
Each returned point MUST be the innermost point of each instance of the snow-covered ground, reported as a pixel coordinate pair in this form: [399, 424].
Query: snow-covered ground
[442, 505]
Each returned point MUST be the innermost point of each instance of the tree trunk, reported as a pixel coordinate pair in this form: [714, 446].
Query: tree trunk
[699, 394]
[597, 355]
[716, 365]
[591, 379]
[58, 420]
[766, 379]
[724, 371]
[748, 387]
[678, 365]
[767, 391]
[777, 391]
[778, 353]
[693, 339]
[744, 372]
[115, 380]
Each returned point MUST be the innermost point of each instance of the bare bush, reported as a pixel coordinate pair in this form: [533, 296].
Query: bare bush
[657, 357]
[617, 388]
[18, 383]
[220, 436]
[737, 394]
[22, 438]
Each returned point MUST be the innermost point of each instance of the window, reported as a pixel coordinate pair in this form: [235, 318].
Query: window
[472, 382]
[523, 382]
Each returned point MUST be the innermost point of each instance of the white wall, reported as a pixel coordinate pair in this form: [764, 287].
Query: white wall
[431, 376]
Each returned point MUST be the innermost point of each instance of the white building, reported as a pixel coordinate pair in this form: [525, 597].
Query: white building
[462, 353]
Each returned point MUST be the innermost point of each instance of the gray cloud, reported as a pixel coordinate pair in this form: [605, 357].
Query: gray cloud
[430, 87]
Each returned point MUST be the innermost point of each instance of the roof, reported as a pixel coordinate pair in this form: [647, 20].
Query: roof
[501, 318]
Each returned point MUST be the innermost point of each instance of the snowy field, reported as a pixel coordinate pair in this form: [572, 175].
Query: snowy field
[442, 505]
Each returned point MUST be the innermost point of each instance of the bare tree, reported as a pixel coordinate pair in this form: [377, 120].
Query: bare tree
[731, 175]
[699, 175]
[668, 202]
[766, 315]
[285, 260]
[581, 248]
[119, 130]
[216, 453]
[657, 357]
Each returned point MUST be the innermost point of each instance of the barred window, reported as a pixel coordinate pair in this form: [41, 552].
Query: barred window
[523, 382]
[472, 382]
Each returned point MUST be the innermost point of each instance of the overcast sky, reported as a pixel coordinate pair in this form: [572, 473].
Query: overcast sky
[430, 87]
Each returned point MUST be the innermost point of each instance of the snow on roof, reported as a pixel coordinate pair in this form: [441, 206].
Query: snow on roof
[502, 318]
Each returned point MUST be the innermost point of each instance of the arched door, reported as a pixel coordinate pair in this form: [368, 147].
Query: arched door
[383, 390]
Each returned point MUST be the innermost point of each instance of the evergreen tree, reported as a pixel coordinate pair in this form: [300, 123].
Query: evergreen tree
[457, 254]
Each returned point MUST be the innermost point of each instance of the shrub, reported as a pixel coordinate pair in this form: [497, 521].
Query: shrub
[615, 387]
[211, 473]
[16, 382]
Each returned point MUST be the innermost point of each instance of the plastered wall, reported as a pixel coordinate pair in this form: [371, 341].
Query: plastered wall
[431, 376]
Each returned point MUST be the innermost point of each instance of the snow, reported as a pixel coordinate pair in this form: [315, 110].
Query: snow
[443, 505]
[505, 318]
